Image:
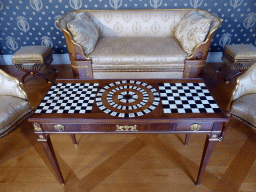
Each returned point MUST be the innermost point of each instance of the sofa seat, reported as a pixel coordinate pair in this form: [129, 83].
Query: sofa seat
[244, 107]
[12, 111]
[138, 53]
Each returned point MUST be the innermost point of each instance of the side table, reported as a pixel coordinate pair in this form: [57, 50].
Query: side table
[32, 59]
[239, 57]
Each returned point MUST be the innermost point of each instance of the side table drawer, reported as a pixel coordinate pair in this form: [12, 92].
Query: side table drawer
[194, 126]
[118, 128]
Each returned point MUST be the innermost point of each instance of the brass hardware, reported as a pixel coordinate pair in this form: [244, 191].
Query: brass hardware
[37, 127]
[126, 128]
[214, 136]
[41, 139]
[59, 127]
[195, 127]
[41, 136]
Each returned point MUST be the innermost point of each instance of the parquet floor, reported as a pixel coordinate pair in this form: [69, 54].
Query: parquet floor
[127, 163]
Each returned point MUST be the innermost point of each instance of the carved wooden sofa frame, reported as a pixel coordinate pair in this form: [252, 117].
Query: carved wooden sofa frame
[82, 65]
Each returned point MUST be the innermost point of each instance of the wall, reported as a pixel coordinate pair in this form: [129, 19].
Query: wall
[33, 22]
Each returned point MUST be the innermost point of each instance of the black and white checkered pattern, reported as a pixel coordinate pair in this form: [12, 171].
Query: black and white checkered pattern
[123, 85]
[187, 98]
[69, 98]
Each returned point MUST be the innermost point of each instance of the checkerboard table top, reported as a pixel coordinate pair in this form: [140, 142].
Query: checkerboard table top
[128, 99]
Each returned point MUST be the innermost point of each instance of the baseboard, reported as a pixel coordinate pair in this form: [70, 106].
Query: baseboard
[213, 57]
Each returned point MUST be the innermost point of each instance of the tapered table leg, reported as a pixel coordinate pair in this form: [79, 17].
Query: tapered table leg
[187, 138]
[47, 145]
[208, 148]
[74, 139]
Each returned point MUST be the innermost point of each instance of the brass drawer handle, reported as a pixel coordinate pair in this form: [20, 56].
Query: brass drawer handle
[37, 127]
[195, 127]
[59, 127]
[126, 128]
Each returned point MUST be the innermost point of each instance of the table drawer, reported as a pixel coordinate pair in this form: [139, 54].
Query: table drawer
[119, 128]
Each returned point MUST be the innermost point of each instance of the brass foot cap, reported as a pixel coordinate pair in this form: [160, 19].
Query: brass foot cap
[49, 82]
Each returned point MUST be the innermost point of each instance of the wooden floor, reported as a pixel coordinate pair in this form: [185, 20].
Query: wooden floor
[113, 163]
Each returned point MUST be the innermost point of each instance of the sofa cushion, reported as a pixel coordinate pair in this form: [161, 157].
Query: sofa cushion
[84, 32]
[192, 30]
[137, 52]
[12, 109]
[245, 108]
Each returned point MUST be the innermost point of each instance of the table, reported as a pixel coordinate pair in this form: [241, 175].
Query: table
[157, 106]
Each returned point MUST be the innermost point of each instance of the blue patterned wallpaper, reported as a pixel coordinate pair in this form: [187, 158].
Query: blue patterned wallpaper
[33, 22]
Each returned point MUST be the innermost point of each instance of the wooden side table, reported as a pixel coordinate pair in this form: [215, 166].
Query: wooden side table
[239, 57]
[32, 59]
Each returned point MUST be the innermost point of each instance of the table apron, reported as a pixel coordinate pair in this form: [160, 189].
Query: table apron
[181, 127]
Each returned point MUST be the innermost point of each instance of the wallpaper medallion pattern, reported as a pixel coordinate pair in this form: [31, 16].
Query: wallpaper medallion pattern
[33, 22]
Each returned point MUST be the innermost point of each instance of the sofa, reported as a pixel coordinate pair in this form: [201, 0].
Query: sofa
[138, 44]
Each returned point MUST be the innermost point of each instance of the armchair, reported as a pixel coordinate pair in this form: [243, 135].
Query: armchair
[242, 105]
[14, 105]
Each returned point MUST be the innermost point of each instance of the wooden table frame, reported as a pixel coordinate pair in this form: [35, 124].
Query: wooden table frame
[155, 122]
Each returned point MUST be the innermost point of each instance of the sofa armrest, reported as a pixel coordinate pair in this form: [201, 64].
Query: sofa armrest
[75, 51]
[201, 50]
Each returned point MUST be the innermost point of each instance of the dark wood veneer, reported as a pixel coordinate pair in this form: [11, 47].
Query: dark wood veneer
[154, 122]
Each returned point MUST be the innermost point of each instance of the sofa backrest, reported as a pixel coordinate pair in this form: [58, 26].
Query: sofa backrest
[154, 23]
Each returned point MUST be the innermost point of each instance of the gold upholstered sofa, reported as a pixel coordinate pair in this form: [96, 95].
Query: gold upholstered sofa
[164, 43]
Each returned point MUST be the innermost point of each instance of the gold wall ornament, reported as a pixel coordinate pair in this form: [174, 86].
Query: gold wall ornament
[59, 127]
[126, 128]
[37, 127]
[195, 127]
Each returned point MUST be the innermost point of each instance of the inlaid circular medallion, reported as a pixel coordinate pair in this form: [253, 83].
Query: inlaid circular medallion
[127, 98]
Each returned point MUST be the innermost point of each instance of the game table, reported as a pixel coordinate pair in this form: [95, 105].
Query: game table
[158, 106]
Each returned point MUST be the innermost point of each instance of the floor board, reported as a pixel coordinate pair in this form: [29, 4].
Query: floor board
[113, 163]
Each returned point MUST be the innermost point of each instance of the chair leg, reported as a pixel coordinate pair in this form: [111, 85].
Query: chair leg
[221, 67]
[186, 139]
[74, 139]
[228, 81]
[41, 75]
[53, 68]
[24, 76]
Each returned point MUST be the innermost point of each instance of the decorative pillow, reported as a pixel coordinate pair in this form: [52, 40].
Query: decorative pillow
[192, 30]
[84, 32]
